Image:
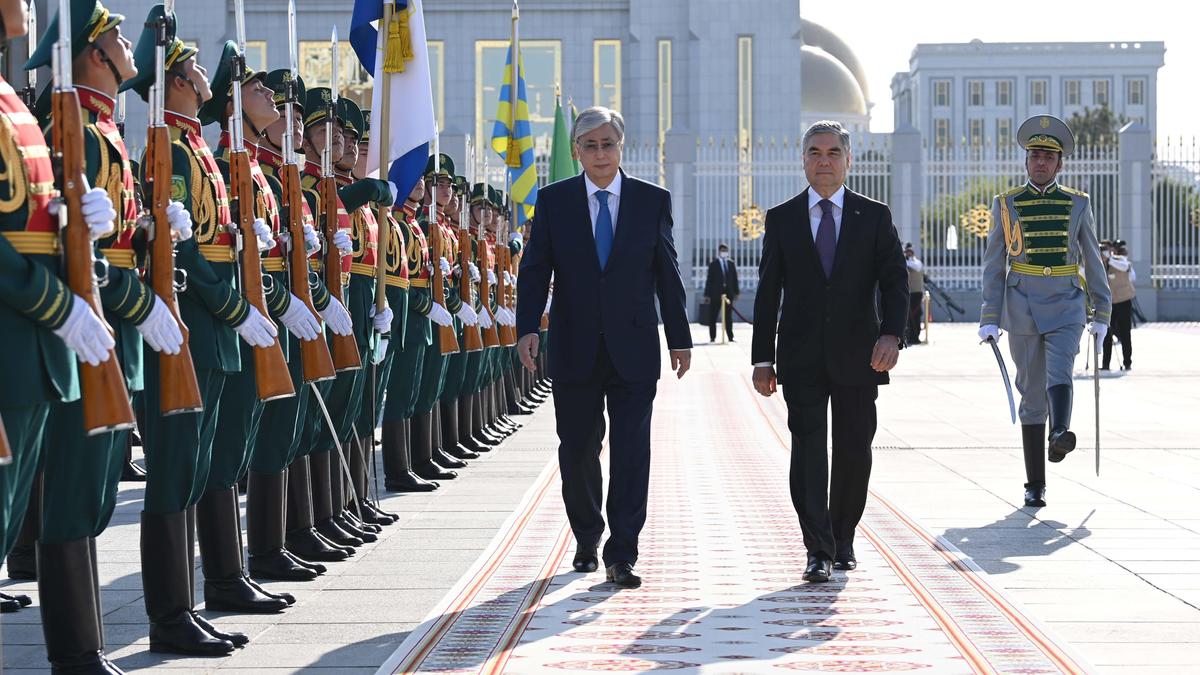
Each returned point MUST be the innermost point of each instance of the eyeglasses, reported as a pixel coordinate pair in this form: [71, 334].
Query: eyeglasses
[595, 148]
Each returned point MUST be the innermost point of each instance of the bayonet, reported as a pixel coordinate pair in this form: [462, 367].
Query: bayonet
[29, 93]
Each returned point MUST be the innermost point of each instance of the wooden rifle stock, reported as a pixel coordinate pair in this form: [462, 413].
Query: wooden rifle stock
[344, 347]
[508, 334]
[105, 399]
[472, 337]
[491, 336]
[447, 340]
[179, 390]
[270, 369]
[315, 361]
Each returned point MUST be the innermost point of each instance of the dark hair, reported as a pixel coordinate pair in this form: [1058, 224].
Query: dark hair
[722, 245]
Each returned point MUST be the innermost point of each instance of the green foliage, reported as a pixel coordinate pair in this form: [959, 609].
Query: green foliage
[1096, 126]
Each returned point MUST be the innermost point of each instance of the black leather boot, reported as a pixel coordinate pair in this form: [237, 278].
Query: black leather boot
[1062, 440]
[131, 471]
[22, 559]
[168, 591]
[450, 443]
[301, 539]
[265, 504]
[397, 463]
[70, 617]
[1033, 440]
[323, 508]
[338, 498]
[438, 453]
[422, 450]
[477, 431]
[354, 509]
[225, 586]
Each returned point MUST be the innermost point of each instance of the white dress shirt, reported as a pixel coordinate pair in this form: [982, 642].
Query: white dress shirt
[614, 200]
[814, 211]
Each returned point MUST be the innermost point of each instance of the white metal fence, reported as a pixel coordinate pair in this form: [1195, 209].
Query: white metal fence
[1175, 204]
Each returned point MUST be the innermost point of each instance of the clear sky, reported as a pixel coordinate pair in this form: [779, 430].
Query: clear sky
[883, 34]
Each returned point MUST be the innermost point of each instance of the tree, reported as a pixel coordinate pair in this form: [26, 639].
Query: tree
[1096, 126]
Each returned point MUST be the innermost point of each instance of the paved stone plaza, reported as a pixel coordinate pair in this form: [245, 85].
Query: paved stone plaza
[1111, 567]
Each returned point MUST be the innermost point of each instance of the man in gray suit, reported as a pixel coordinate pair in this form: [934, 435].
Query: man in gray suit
[1043, 233]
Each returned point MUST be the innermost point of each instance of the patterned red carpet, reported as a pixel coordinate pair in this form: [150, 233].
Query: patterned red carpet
[722, 559]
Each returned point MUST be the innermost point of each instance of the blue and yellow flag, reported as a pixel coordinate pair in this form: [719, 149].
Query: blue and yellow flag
[512, 138]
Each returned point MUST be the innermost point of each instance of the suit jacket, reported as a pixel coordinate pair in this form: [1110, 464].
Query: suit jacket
[617, 301]
[718, 283]
[829, 327]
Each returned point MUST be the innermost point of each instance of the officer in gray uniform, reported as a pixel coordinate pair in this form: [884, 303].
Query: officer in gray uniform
[1043, 238]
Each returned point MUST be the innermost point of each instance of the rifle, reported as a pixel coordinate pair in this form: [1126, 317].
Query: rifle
[447, 340]
[508, 334]
[943, 297]
[491, 335]
[344, 347]
[472, 335]
[179, 391]
[105, 399]
[29, 93]
[315, 362]
[270, 369]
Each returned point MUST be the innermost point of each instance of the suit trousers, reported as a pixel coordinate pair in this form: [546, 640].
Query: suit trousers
[1121, 328]
[828, 518]
[579, 417]
[716, 319]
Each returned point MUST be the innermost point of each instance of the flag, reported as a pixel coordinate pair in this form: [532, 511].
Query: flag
[562, 165]
[574, 116]
[523, 178]
[410, 117]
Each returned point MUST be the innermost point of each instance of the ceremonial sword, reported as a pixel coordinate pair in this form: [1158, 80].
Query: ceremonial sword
[1012, 406]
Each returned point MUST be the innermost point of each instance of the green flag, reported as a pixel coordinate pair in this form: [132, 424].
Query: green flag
[562, 165]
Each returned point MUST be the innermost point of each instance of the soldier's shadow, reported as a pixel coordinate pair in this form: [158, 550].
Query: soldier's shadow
[1017, 535]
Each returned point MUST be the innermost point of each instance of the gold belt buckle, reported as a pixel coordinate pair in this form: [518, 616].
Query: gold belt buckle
[1047, 271]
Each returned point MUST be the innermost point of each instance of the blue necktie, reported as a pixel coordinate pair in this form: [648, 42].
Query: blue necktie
[826, 237]
[604, 229]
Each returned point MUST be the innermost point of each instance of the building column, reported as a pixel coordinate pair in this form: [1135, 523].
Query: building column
[906, 185]
[1136, 156]
[679, 167]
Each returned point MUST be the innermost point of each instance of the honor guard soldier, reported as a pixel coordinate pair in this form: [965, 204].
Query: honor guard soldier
[465, 363]
[45, 327]
[284, 421]
[1034, 288]
[502, 360]
[470, 413]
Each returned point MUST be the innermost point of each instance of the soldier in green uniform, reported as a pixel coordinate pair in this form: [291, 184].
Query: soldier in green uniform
[1033, 288]
[283, 421]
[218, 520]
[465, 363]
[45, 327]
[470, 408]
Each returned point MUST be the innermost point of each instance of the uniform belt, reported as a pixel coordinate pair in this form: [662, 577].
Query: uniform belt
[124, 258]
[220, 253]
[34, 243]
[418, 283]
[362, 269]
[395, 282]
[274, 264]
[1044, 271]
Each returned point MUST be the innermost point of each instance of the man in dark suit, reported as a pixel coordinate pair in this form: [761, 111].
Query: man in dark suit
[722, 283]
[608, 235]
[830, 252]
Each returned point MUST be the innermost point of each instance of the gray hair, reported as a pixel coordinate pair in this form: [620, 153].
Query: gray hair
[828, 127]
[595, 117]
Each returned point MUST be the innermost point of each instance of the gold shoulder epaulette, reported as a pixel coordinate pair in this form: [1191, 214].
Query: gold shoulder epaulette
[1013, 191]
[1072, 191]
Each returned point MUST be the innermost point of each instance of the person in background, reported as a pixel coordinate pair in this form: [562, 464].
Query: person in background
[722, 282]
[1121, 279]
[916, 293]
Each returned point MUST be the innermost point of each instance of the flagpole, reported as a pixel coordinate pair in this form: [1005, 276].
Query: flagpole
[385, 102]
[513, 157]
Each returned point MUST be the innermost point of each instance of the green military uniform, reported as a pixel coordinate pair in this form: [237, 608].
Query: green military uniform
[1033, 288]
[464, 364]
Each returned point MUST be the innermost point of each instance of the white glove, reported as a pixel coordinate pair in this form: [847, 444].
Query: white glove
[180, 220]
[337, 318]
[257, 330]
[1098, 329]
[440, 315]
[485, 319]
[300, 321]
[342, 241]
[382, 320]
[86, 333]
[474, 273]
[504, 317]
[445, 264]
[98, 213]
[311, 243]
[160, 330]
[261, 230]
[989, 331]
[492, 277]
[509, 278]
[468, 315]
[515, 236]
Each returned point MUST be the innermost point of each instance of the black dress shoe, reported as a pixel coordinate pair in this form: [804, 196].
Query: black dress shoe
[585, 559]
[280, 567]
[351, 516]
[375, 515]
[13, 603]
[235, 595]
[286, 597]
[409, 482]
[1035, 494]
[462, 452]
[845, 561]
[186, 634]
[446, 461]
[1061, 443]
[238, 639]
[314, 566]
[309, 546]
[622, 575]
[432, 471]
[331, 530]
[819, 569]
[354, 529]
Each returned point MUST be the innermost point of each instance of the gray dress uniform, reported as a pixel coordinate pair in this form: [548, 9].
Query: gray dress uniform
[1042, 272]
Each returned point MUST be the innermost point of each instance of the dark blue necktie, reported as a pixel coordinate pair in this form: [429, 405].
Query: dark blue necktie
[604, 229]
[826, 237]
